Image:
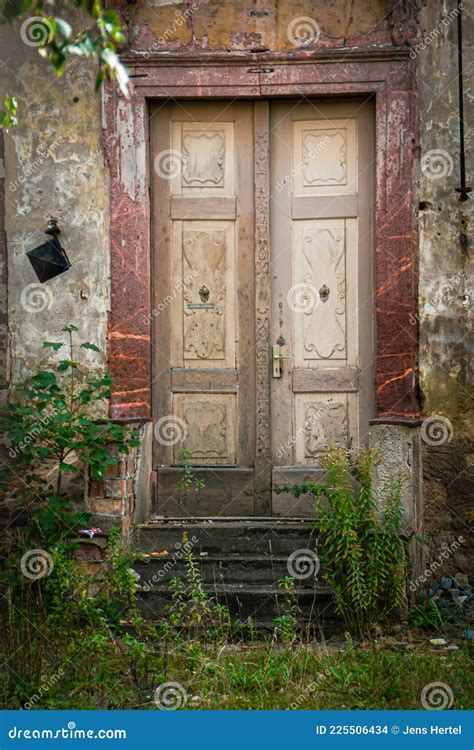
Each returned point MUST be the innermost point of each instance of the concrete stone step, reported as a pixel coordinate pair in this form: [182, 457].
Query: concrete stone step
[258, 536]
[225, 568]
[261, 603]
[240, 562]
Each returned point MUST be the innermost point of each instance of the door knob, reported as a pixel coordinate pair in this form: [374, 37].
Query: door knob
[276, 361]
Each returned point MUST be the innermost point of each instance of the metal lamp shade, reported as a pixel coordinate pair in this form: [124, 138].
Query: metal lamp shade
[49, 259]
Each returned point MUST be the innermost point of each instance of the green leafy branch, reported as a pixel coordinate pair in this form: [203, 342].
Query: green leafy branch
[57, 42]
[54, 420]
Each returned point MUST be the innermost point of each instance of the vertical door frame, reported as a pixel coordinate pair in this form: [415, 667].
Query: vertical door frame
[263, 465]
[386, 74]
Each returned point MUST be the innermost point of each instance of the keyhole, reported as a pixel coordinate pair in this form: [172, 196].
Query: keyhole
[324, 293]
[204, 293]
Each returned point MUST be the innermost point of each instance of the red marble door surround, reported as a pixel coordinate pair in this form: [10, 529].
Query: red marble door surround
[388, 75]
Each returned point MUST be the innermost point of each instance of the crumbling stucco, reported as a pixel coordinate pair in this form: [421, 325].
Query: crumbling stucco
[446, 296]
[54, 167]
[445, 292]
[261, 25]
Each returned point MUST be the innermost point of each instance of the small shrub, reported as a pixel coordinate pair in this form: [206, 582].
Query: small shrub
[54, 420]
[361, 553]
[425, 615]
[286, 623]
[187, 478]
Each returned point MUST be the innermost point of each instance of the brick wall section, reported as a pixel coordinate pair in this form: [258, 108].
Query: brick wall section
[112, 500]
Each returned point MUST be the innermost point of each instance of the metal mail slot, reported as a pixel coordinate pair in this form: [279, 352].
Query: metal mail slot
[200, 305]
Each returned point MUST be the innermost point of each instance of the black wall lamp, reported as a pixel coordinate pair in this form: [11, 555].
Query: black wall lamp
[49, 259]
[463, 190]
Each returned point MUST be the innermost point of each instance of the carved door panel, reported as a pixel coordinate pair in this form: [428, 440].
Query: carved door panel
[321, 276]
[203, 312]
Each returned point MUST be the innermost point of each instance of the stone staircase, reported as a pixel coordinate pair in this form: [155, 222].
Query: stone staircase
[241, 562]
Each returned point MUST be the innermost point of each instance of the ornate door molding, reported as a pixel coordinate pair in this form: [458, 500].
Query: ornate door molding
[262, 306]
[386, 74]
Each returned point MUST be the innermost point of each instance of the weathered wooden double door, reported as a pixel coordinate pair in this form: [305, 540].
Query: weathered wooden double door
[263, 304]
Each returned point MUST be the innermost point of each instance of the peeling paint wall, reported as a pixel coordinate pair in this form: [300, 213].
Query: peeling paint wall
[446, 297]
[54, 167]
[257, 24]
